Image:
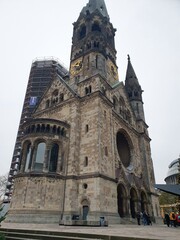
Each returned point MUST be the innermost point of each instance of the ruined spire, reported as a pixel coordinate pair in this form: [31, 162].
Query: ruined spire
[94, 5]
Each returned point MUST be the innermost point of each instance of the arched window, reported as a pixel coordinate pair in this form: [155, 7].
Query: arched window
[53, 157]
[40, 155]
[82, 32]
[96, 61]
[123, 149]
[122, 106]
[61, 97]
[47, 103]
[55, 96]
[96, 27]
[88, 90]
[115, 103]
[106, 151]
[28, 156]
[128, 116]
[88, 46]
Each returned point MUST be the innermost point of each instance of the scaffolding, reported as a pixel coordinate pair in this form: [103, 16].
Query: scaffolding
[42, 73]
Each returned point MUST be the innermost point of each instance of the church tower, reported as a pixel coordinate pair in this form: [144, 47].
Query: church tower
[86, 150]
[93, 48]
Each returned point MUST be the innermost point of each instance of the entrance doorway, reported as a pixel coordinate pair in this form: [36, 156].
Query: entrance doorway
[85, 212]
[122, 200]
[143, 202]
[133, 201]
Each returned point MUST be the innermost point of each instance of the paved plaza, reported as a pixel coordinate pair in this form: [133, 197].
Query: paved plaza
[156, 231]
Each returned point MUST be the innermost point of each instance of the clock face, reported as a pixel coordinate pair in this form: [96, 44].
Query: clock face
[113, 71]
[76, 66]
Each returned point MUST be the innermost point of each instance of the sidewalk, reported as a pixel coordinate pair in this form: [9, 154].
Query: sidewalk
[150, 232]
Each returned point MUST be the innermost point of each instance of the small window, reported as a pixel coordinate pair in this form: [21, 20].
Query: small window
[86, 162]
[55, 93]
[87, 128]
[61, 97]
[88, 90]
[96, 61]
[88, 62]
[47, 103]
[96, 27]
[106, 151]
[85, 186]
[96, 44]
[88, 45]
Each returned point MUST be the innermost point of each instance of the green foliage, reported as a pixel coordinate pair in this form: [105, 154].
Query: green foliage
[2, 237]
[167, 198]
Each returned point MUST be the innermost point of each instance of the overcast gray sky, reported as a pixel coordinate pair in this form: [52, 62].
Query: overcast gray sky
[148, 30]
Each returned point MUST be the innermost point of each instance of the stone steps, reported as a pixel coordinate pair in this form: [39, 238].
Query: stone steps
[20, 234]
[23, 234]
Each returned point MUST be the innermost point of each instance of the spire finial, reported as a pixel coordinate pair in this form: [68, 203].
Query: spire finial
[128, 57]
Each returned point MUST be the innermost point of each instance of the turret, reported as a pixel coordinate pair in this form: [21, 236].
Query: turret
[134, 91]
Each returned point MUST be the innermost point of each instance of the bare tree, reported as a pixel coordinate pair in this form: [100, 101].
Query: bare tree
[3, 183]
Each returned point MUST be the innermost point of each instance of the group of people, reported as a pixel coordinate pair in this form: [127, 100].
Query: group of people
[172, 219]
[143, 218]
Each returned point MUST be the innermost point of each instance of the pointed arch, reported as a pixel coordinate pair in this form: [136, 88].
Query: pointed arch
[122, 200]
[82, 32]
[133, 202]
[85, 208]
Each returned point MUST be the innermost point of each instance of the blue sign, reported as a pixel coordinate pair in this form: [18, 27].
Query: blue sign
[33, 101]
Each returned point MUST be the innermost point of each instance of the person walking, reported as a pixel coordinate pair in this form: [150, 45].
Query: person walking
[172, 217]
[167, 219]
[144, 216]
[138, 216]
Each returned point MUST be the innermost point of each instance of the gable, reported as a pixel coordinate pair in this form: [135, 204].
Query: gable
[56, 93]
[122, 103]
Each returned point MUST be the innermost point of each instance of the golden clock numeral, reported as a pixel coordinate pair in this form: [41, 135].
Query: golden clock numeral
[76, 67]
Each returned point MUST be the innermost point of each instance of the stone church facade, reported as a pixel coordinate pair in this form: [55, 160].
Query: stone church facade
[86, 149]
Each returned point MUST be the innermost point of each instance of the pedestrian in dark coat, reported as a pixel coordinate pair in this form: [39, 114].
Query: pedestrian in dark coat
[138, 216]
[167, 218]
